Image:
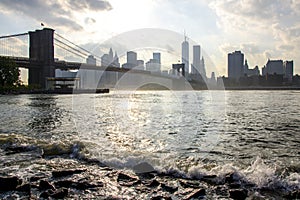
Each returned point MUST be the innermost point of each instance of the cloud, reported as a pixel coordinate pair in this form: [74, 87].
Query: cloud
[89, 20]
[56, 14]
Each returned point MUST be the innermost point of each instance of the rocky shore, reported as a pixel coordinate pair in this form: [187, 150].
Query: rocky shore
[58, 172]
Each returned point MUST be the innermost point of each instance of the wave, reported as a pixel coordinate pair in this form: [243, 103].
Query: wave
[258, 175]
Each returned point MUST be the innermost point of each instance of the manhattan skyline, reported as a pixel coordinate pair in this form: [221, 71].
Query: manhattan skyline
[261, 29]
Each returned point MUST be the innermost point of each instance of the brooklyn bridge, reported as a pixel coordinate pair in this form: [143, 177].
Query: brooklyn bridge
[41, 62]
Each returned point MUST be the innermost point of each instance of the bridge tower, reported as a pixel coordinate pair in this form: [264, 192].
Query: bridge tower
[41, 56]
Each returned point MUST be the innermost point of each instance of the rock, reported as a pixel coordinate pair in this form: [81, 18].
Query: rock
[62, 173]
[60, 193]
[46, 194]
[154, 183]
[36, 178]
[143, 167]
[77, 185]
[13, 149]
[86, 185]
[63, 183]
[196, 194]
[238, 194]
[45, 185]
[234, 185]
[293, 195]
[210, 179]
[125, 177]
[24, 188]
[160, 198]
[170, 189]
[9, 183]
[189, 184]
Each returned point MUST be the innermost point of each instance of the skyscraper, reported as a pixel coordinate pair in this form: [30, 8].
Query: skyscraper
[156, 56]
[91, 60]
[235, 65]
[131, 60]
[185, 55]
[196, 59]
[289, 70]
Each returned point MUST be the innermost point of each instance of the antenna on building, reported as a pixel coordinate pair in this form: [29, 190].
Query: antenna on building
[184, 33]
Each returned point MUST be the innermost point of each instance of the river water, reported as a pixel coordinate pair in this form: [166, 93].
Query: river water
[256, 133]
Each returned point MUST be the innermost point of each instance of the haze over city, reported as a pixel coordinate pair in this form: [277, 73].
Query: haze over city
[260, 29]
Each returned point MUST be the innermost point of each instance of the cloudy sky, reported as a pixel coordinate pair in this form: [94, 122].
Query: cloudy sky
[261, 29]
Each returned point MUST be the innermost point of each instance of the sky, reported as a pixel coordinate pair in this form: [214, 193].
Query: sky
[261, 29]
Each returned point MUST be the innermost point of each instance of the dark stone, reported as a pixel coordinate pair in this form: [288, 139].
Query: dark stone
[229, 178]
[146, 176]
[45, 185]
[36, 178]
[234, 185]
[125, 177]
[154, 183]
[196, 194]
[63, 183]
[168, 188]
[62, 173]
[143, 167]
[77, 185]
[60, 193]
[19, 149]
[238, 194]
[46, 194]
[293, 195]
[189, 184]
[9, 183]
[24, 188]
[86, 185]
[210, 179]
[160, 198]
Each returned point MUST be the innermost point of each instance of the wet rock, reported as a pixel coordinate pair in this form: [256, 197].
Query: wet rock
[143, 167]
[125, 177]
[24, 188]
[77, 185]
[46, 194]
[238, 194]
[293, 195]
[189, 184]
[161, 198]
[63, 183]
[196, 194]
[45, 185]
[60, 193]
[170, 189]
[210, 179]
[229, 178]
[9, 183]
[234, 185]
[86, 185]
[62, 173]
[153, 183]
[146, 176]
[36, 178]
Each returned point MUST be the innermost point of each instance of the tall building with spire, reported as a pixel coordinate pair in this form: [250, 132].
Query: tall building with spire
[185, 54]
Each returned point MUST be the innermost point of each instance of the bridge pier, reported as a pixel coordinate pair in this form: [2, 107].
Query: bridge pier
[41, 56]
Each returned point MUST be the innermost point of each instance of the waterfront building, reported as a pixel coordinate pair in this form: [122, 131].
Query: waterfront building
[91, 60]
[185, 54]
[288, 70]
[235, 65]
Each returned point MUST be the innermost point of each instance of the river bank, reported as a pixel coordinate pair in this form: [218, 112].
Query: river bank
[32, 169]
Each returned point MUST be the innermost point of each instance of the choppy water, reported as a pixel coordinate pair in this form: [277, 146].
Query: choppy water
[256, 133]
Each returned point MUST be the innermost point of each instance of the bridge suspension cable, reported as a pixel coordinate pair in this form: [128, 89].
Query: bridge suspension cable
[89, 53]
[15, 35]
[70, 49]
